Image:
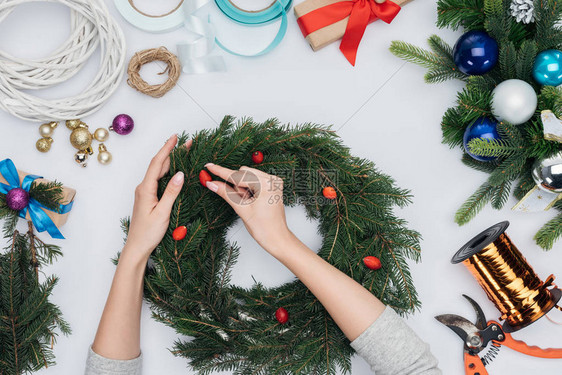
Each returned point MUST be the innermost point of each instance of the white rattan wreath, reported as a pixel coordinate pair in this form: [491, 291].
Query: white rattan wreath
[91, 26]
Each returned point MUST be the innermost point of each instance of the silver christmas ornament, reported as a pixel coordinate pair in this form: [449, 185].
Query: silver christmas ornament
[514, 101]
[547, 173]
[81, 157]
[523, 10]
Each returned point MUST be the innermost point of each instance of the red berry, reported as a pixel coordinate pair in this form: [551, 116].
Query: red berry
[282, 315]
[179, 233]
[257, 157]
[204, 177]
[329, 192]
[372, 262]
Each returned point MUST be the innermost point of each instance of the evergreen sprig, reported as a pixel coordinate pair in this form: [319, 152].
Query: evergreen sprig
[234, 329]
[29, 322]
[520, 146]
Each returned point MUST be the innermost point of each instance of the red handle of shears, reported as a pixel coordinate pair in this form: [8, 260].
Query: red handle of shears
[473, 365]
[522, 347]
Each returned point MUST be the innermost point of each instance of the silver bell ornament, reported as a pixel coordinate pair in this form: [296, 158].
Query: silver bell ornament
[81, 157]
[547, 173]
[514, 101]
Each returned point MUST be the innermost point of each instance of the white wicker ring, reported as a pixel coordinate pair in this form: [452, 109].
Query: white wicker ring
[91, 26]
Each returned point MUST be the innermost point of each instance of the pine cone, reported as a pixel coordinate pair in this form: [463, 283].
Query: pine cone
[523, 10]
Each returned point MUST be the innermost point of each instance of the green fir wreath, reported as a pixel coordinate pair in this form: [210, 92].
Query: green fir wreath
[235, 329]
[521, 145]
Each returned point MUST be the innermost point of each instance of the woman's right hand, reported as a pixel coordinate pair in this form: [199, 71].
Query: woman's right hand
[257, 197]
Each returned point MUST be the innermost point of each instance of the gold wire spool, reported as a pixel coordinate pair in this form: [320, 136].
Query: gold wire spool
[507, 278]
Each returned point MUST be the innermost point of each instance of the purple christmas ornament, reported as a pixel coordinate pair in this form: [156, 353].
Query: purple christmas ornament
[122, 124]
[17, 199]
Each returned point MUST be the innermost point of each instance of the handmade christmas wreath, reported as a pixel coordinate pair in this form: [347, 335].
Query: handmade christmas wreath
[281, 330]
[507, 116]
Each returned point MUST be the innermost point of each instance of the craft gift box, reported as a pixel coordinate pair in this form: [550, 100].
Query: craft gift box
[68, 196]
[331, 33]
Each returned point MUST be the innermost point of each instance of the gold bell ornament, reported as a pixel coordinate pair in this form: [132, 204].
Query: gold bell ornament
[46, 131]
[73, 124]
[44, 144]
[80, 138]
[104, 156]
[101, 134]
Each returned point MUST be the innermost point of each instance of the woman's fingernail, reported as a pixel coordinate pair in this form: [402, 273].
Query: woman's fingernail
[209, 165]
[212, 186]
[178, 178]
[188, 143]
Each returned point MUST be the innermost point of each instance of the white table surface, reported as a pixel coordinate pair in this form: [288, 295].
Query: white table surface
[381, 108]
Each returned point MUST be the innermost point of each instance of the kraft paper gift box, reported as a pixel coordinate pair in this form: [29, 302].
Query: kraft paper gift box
[331, 33]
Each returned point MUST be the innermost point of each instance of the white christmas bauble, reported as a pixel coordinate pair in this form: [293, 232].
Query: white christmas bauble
[514, 101]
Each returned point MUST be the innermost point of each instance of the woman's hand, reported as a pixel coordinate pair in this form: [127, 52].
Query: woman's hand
[151, 217]
[257, 197]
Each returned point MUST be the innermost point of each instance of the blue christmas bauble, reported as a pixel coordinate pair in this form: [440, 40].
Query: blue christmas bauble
[475, 53]
[547, 69]
[482, 127]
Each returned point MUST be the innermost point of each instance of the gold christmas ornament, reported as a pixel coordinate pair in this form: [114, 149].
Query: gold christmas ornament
[73, 124]
[101, 134]
[104, 156]
[81, 158]
[46, 130]
[44, 144]
[80, 138]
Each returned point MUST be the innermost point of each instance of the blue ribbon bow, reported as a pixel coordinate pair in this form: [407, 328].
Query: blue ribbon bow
[36, 210]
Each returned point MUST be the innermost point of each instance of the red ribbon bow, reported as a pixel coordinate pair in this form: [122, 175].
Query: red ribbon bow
[360, 13]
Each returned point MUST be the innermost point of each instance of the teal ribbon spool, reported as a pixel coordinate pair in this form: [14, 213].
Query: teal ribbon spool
[253, 18]
[277, 9]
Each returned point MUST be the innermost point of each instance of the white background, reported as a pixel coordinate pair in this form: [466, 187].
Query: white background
[381, 108]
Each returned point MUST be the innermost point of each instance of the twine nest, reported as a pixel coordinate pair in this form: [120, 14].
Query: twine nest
[149, 55]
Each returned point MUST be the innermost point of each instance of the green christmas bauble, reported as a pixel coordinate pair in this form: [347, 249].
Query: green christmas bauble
[188, 283]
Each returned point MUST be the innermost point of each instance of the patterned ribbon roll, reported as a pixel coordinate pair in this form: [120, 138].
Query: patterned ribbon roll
[360, 13]
[507, 278]
[36, 210]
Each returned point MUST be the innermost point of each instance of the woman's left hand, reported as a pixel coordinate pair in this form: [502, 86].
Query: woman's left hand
[151, 217]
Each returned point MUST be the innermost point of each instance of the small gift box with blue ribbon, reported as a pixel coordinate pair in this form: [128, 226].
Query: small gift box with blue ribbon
[21, 194]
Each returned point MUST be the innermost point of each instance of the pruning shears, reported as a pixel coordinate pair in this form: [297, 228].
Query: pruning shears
[477, 336]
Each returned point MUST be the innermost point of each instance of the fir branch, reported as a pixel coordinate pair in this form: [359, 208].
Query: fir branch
[455, 14]
[550, 98]
[538, 147]
[483, 166]
[492, 147]
[508, 60]
[49, 194]
[416, 55]
[474, 204]
[508, 170]
[525, 60]
[548, 32]
[549, 233]
[439, 61]
[501, 194]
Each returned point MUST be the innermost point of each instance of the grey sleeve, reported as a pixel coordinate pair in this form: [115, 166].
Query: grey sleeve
[98, 365]
[391, 347]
